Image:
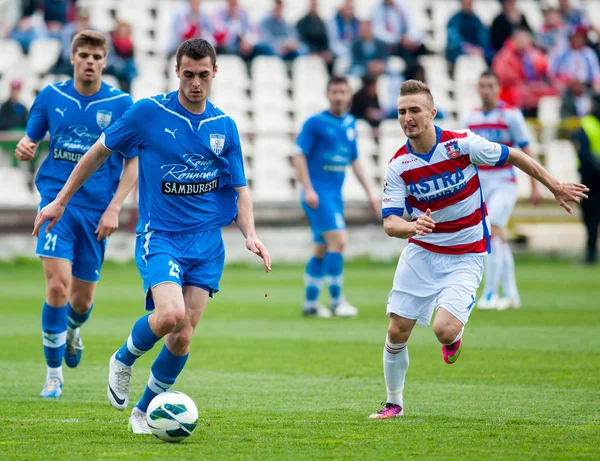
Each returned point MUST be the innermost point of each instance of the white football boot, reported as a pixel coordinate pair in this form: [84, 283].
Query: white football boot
[138, 424]
[119, 378]
[488, 302]
[52, 389]
[508, 303]
[344, 309]
[318, 311]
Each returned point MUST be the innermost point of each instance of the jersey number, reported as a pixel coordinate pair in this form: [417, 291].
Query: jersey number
[50, 244]
[174, 272]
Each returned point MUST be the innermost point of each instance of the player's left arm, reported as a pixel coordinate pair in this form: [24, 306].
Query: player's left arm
[245, 221]
[563, 191]
[359, 171]
[109, 222]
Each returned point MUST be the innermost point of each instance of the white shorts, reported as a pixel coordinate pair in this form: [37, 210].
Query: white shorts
[425, 281]
[500, 198]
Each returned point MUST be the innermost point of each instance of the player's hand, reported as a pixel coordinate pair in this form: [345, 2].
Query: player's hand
[569, 192]
[375, 206]
[109, 222]
[536, 196]
[311, 197]
[25, 149]
[424, 224]
[51, 212]
[259, 248]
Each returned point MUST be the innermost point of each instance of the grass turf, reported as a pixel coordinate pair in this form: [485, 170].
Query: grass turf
[272, 385]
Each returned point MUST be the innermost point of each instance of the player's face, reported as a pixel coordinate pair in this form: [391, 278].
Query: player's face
[489, 91]
[195, 78]
[88, 63]
[339, 96]
[415, 114]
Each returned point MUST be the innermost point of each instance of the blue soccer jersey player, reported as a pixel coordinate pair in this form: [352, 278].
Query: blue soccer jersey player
[76, 112]
[326, 146]
[191, 184]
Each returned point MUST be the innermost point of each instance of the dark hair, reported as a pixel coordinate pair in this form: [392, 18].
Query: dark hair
[336, 80]
[196, 48]
[490, 73]
[411, 87]
[89, 38]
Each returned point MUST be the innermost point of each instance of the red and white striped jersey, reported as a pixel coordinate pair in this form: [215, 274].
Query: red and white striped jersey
[504, 125]
[445, 181]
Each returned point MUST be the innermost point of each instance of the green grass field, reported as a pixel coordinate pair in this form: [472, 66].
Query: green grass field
[272, 385]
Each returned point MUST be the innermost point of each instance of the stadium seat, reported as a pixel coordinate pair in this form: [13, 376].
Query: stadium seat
[14, 191]
[532, 11]
[144, 87]
[366, 147]
[487, 10]
[388, 146]
[549, 111]
[523, 185]
[273, 123]
[561, 160]
[441, 16]
[12, 54]
[268, 147]
[269, 72]
[353, 190]
[363, 129]
[436, 71]
[265, 99]
[467, 70]
[390, 128]
[43, 54]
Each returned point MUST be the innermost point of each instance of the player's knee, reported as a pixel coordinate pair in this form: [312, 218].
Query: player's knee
[81, 302]
[397, 334]
[181, 340]
[57, 291]
[338, 244]
[445, 333]
[169, 317]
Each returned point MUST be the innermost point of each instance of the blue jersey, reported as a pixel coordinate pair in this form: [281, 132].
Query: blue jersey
[329, 144]
[189, 164]
[75, 123]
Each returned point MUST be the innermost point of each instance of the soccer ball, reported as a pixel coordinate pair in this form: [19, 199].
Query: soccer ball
[172, 416]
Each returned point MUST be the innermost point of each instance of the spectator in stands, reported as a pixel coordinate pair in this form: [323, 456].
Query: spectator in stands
[30, 27]
[313, 33]
[365, 103]
[467, 35]
[574, 61]
[369, 54]
[83, 22]
[280, 36]
[56, 14]
[122, 63]
[241, 36]
[553, 32]
[573, 17]
[190, 21]
[393, 23]
[587, 143]
[506, 22]
[576, 100]
[343, 30]
[523, 73]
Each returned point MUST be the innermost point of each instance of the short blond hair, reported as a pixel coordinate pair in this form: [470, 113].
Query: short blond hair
[411, 87]
[89, 38]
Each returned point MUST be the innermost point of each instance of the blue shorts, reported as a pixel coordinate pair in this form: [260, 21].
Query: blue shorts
[328, 216]
[73, 239]
[194, 259]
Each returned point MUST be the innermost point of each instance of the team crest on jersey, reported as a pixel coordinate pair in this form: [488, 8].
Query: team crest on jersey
[217, 142]
[452, 149]
[103, 118]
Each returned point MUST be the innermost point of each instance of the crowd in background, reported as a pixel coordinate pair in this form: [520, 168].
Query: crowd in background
[559, 58]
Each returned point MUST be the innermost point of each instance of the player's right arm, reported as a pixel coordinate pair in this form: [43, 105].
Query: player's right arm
[37, 126]
[394, 198]
[304, 142]
[89, 163]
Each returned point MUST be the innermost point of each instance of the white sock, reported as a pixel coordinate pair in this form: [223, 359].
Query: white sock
[54, 373]
[395, 364]
[509, 282]
[493, 266]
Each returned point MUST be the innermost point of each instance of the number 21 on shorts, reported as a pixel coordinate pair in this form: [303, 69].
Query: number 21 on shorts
[174, 269]
[50, 244]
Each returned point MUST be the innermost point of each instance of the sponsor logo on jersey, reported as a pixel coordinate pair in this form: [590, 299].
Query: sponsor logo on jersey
[103, 118]
[443, 181]
[217, 142]
[195, 188]
[66, 155]
[452, 149]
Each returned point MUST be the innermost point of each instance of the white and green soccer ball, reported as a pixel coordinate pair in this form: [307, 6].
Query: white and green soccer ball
[172, 416]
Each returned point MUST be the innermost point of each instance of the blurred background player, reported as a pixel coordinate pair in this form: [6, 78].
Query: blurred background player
[502, 124]
[76, 112]
[434, 175]
[192, 183]
[326, 146]
[587, 142]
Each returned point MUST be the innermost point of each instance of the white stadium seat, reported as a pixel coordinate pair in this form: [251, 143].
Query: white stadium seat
[561, 160]
[43, 54]
[11, 54]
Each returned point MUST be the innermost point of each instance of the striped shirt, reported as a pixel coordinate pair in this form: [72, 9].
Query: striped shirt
[446, 181]
[503, 125]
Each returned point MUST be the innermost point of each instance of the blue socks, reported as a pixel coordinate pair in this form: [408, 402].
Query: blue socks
[163, 374]
[140, 341]
[75, 318]
[334, 268]
[54, 334]
[313, 280]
